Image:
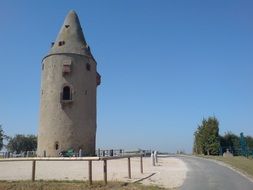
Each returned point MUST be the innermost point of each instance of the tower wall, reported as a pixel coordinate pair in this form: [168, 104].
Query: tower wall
[67, 124]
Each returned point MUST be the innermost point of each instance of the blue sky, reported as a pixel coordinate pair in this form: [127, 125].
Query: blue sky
[164, 64]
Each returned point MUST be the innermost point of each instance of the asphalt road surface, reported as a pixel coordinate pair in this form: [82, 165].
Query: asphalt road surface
[207, 175]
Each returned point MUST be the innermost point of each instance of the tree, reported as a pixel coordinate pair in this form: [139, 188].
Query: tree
[207, 137]
[21, 143]
[231, 142]
[249, 141]
[198, 147]
[1, 137]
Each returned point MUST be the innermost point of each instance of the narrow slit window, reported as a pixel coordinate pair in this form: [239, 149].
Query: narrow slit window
[56, 145]
[88, 67]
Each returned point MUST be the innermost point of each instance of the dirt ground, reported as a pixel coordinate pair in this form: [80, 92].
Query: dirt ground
[169, 172]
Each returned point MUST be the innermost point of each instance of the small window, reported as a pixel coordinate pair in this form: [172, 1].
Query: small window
[98, 79]
[87, 48]
[66, 94]
[88, 66]
[66, 26]
[66, 67]
[52, 44]
[42, 66]
[61, 43]
[56, 145]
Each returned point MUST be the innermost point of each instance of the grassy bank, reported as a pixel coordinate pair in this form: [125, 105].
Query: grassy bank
[71, 185]
[241, 163]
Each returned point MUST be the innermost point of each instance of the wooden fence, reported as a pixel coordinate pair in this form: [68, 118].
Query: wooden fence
[87, 159]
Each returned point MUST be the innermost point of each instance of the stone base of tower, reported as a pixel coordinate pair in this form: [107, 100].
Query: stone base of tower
[51, 152]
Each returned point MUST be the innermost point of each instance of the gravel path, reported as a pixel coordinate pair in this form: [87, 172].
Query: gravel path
[169, 172]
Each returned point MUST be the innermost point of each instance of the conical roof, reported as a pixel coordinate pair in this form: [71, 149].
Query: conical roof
[70, 38]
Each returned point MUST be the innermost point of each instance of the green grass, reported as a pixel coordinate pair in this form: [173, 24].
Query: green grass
[241, 163]
[72, 185]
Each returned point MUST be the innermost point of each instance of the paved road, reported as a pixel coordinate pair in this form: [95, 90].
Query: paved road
[207, 175]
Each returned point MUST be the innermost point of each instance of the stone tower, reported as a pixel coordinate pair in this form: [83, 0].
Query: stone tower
[68, 94]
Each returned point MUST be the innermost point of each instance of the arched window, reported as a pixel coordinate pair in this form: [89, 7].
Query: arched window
[66, 93]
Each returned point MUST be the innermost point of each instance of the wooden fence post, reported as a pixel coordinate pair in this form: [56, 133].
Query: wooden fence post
[129, 168]
[90, 172]
[105, 171]
[141, 164]
[33, 170]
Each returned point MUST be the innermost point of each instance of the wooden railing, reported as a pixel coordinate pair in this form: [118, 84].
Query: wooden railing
[88, 159]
